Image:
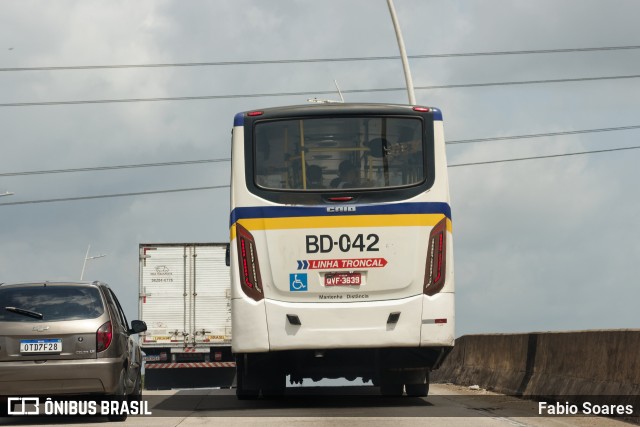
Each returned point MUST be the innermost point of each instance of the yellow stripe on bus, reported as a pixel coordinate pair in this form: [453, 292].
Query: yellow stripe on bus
[351, 221]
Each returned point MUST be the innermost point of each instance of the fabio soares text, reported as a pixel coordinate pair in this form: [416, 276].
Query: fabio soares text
[586, 408]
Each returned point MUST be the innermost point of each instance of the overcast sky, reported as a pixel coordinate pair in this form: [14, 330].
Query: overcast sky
[548, 244]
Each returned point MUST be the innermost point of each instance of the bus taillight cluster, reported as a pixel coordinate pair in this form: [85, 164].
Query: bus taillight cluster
[249, 267]
[434, 276]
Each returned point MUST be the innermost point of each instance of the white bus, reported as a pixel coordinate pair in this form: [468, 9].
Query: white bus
[341, 253]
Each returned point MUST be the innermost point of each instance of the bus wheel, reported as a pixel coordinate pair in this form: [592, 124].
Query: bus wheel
[275, 387]
[244, 381]
[391, 389]
[419, 389]
[391, 383]
[274, 381]
[244, 394]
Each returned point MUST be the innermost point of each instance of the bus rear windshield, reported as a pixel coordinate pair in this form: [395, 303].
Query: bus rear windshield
[313, 154]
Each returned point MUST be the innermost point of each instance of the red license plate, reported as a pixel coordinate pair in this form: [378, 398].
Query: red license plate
[343, 279]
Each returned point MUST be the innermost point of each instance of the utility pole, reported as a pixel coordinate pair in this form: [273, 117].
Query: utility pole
[403, 53]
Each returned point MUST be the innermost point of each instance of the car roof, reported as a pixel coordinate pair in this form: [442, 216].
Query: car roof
[47, 283]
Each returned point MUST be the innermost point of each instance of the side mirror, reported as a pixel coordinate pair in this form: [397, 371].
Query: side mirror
[137, 326]
[227, 255]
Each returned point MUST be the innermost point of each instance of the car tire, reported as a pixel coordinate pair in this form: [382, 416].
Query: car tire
[121, 395]
[136, 394]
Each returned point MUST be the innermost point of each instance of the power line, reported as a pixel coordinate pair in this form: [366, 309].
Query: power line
[540, 135]
[105, 168]
[191, 162]
[488, 162]
[307, 93]
[104, 196]
[315, 60]
[525, 82]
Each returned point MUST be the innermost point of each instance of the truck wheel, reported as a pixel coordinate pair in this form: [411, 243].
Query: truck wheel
[243, 379]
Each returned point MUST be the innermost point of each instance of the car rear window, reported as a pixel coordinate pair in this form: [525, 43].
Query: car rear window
[55, 303]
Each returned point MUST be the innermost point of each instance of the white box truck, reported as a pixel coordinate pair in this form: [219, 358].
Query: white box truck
[185, 301]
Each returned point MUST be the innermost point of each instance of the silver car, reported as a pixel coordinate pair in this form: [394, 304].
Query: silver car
[67, 338]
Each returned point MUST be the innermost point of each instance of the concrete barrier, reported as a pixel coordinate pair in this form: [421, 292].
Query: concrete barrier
[554, 365]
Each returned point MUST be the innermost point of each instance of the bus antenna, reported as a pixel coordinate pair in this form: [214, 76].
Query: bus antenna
[339, 91]
[329, 101]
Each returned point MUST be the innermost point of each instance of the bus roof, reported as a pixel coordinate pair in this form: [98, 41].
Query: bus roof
[335, 108]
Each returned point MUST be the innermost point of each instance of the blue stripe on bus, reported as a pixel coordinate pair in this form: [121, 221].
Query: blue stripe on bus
[238, 120]
[303, 211]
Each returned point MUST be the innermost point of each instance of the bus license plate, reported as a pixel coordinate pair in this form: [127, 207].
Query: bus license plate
[343, 279]
[41, 346]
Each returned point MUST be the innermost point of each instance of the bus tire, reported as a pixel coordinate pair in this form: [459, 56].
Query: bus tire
[243, 380]
[391, 389]
[419, 389]
[274, 384]
[243, 394]
[4, 409]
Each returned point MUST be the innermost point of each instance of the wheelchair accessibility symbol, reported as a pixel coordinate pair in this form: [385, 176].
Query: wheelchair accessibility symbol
[298, 282]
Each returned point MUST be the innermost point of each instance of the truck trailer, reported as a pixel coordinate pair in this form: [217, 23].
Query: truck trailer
[185, 299]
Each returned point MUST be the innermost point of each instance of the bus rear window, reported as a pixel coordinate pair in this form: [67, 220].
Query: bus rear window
[313, 154]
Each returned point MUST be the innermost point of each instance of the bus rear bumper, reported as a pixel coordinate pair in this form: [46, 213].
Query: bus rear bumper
[417, 321]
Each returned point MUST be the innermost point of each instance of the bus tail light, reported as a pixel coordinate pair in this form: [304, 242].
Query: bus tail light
[250, 281]
[104, 336]
[434, 275]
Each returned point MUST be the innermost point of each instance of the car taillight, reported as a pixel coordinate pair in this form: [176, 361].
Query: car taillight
[250, 280]
[104, 336]
[434, 275]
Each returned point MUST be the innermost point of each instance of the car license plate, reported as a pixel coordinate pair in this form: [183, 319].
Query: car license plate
[343, 279]
[41, 346]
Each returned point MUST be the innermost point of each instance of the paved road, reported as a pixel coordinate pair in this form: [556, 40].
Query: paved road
[361, 406]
